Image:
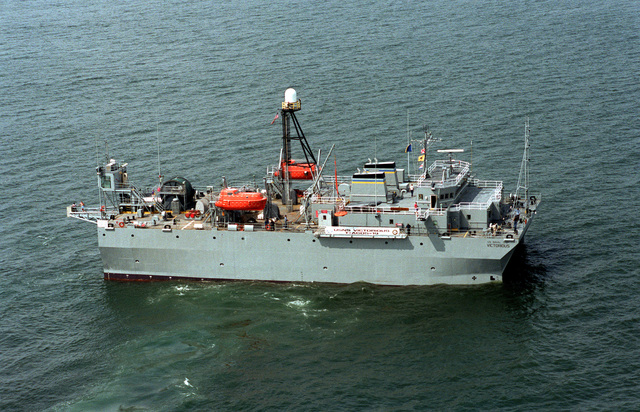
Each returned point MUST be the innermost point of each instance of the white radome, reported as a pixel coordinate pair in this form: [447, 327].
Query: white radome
[290, 95]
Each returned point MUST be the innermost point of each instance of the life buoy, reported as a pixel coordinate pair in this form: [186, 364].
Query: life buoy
[121, 223]
[394, 231]
[102, 208]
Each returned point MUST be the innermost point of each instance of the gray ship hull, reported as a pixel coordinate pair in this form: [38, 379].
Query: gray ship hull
[285, 256]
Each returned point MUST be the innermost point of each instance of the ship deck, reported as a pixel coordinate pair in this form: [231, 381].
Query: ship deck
[480, 195]
[294, 222]
[181, 222]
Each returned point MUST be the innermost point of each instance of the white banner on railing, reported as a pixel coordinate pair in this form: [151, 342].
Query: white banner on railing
[363, 232]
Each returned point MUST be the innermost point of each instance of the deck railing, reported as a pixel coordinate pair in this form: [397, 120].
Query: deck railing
[460, 168]
[413, 231]
[495, 196]
[89, 214]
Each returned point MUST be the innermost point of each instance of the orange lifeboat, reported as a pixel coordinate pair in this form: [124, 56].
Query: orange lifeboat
[233, 199]
[297, 171]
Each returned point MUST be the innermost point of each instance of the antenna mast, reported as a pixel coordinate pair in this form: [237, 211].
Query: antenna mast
[427, 142]
[158, 146]
[523, 178]
[408, 144]
[289, 107]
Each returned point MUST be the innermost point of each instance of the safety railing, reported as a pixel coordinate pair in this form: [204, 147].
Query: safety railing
[495, 197]
[459, 172]
[90, 214]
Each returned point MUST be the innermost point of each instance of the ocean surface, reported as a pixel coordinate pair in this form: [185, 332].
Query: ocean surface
[199, 82]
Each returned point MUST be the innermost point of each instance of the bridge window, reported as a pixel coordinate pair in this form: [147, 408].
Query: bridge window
[105, 181]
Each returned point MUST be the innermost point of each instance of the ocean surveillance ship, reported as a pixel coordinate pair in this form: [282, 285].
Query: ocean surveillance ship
[304, 223]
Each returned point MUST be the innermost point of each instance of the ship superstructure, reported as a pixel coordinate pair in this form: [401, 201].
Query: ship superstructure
[304, 224]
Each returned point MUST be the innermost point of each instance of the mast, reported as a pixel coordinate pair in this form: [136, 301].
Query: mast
[523, 178]
[98, 175]
[425, 148]
[291, 105]
[427, 142]
[158, 147]
[408, 144]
